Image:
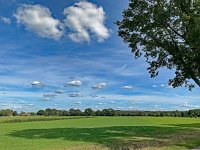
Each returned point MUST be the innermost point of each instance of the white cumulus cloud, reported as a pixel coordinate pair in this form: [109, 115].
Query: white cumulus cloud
[38, 19]
[85, 18]
[127, 87]
[100, 85]
[37, 84]
[74, 83]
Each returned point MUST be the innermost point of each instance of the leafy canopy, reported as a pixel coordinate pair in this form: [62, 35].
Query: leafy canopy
[167, 34]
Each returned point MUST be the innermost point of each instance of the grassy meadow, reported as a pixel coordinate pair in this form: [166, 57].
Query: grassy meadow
[75, 133]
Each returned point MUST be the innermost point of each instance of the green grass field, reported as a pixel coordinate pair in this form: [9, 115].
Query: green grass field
[99, 133]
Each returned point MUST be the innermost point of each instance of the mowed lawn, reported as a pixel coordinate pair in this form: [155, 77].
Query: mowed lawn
[101, 133]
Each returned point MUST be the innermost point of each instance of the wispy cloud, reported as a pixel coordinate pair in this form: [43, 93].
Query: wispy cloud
[162, 85]
[5, 20]
[123, 67]
[78, 103]
[49, 96]
[154, 86]
[75, 95]
[59, 91]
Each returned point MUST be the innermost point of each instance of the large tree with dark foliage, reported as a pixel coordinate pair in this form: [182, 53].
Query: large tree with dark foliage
[167, 34]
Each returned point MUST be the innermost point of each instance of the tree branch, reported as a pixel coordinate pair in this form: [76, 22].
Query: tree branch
[191, 73]
[176, 32]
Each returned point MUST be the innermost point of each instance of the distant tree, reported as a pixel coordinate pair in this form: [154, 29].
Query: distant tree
[167, 34]
[48, 112]
[14, 113]
[78, 112]
[104, 112]
[72, 112]
[111, 112]
[184, 114]
[65, 113]
[40, 112]
[60, 113]
[7, 112]
[89, 112]
[194, 113]
[141, 113]
[98, 113]
[54, 112]
[108, 112]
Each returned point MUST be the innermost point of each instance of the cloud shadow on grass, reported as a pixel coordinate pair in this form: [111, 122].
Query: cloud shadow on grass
[114, 137]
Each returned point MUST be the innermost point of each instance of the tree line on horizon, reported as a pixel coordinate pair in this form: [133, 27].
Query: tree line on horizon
[104, 112]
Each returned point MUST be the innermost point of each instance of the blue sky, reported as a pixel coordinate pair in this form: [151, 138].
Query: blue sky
[66, 54]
